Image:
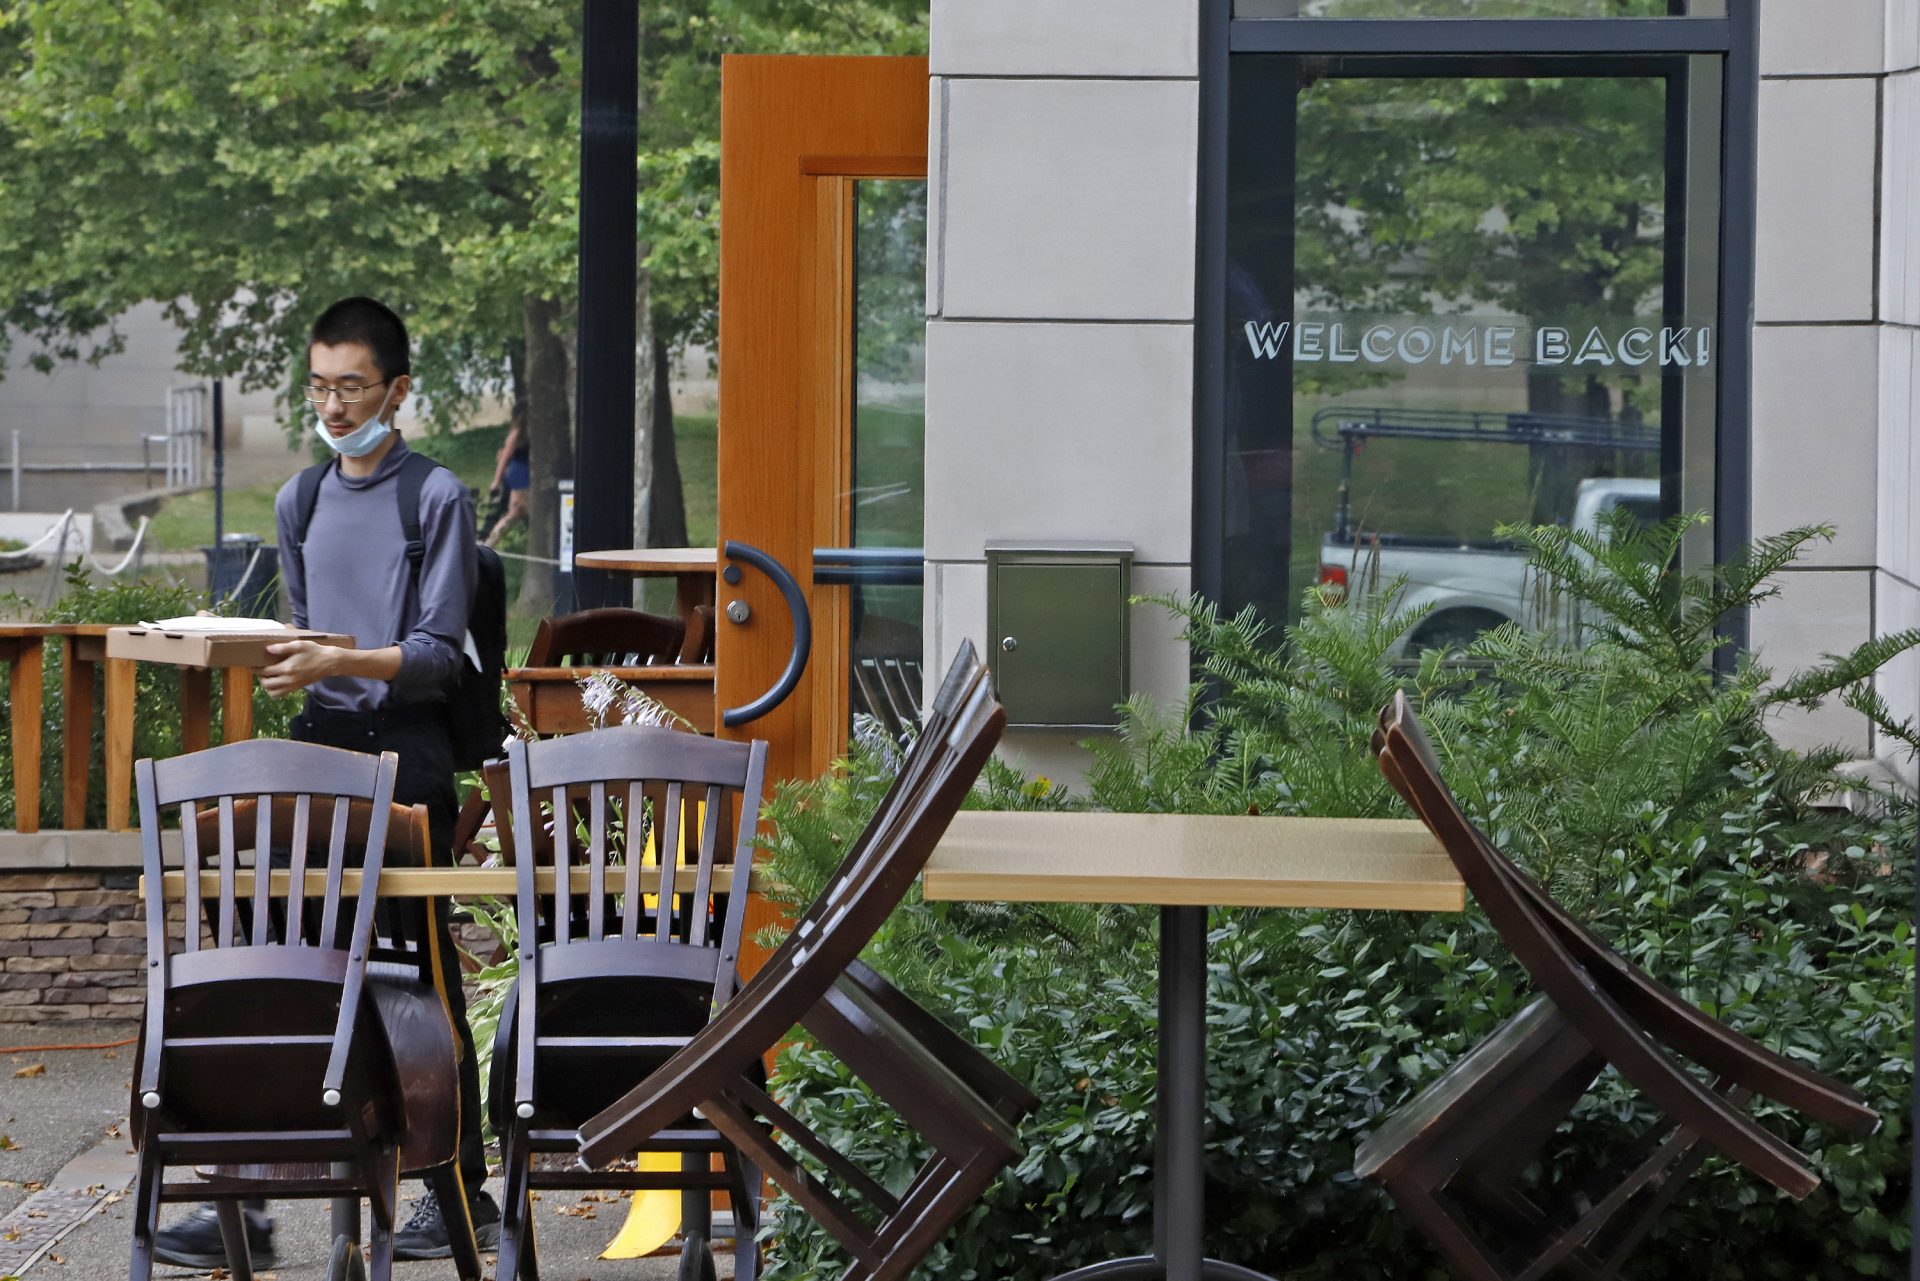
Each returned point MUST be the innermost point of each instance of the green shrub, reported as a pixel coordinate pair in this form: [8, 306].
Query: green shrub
[1645, 791]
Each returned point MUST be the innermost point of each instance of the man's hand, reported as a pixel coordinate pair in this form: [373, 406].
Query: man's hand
[302, 662]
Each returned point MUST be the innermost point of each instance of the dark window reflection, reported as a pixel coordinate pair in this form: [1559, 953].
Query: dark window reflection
[1455, 299]
[1478, 8]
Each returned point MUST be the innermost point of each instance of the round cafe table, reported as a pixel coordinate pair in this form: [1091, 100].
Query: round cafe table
[692, 569]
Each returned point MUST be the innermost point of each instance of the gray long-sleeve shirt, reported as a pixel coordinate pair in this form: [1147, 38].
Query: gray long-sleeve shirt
[352, 576]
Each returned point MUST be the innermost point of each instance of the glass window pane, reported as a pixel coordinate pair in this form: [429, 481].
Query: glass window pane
[1479, 8]
[887, 499]
[1455, 302]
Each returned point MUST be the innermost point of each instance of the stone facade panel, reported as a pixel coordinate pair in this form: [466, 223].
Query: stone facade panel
[1066, 199]
[1065, 38]
[1816, 239]
[1059, 431]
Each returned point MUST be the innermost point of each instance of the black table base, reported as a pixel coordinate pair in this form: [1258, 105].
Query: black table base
[1179, 1168]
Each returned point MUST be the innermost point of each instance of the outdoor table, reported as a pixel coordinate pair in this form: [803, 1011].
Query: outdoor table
[692, 569]
[1183, 864]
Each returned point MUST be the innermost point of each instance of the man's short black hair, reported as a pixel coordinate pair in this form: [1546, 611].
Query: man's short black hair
[374, 324]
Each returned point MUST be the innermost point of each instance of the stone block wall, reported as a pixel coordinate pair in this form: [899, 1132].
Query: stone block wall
[72, 946]
[1832, 405]
[1063, 161]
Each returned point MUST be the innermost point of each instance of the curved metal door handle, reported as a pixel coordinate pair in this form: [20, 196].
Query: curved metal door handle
[802, 633]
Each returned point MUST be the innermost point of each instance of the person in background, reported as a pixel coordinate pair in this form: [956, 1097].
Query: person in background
[512, 473]
[350, 573]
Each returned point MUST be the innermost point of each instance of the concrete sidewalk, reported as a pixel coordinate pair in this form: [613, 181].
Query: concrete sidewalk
[67, 1165]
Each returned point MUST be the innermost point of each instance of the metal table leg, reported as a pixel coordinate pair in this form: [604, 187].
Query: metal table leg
[1179, 1165]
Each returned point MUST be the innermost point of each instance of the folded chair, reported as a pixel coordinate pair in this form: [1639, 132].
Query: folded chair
[1454, 1158]
[614, 980]
[295, 1042]
[959, 1103]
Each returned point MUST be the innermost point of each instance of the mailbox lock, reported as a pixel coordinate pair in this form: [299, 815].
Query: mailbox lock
[738, 611]
[1009, 644]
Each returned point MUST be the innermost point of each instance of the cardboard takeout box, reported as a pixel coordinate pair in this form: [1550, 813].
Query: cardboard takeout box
[186, 648]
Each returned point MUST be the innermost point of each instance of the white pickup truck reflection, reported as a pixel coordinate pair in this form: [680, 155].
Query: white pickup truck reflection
[1469, 587]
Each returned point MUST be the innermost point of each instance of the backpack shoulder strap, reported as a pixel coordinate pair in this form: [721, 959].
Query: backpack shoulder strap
[307, 496]
[407, 485]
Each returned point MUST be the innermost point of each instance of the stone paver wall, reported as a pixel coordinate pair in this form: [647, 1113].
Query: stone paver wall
[72, 945]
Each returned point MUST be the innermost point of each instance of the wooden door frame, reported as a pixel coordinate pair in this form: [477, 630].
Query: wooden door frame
[796, 133]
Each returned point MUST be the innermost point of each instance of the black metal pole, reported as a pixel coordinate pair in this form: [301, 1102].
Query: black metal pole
[219, 467]
[609, 194]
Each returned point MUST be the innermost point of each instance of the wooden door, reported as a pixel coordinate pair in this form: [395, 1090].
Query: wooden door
[801, 139]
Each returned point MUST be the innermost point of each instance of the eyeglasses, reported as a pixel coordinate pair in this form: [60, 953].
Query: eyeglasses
[348, 395]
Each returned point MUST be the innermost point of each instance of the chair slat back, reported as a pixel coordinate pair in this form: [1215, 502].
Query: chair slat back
[284, 826]
[962, 730]
[227, 800]
[607, 638]
[615, 794]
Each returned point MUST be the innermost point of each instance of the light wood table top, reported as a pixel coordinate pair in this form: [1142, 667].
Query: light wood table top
[652, 560]
[457, 882]
[1192, 860]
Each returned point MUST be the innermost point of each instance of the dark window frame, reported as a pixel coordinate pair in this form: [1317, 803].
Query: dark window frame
[1734, 38]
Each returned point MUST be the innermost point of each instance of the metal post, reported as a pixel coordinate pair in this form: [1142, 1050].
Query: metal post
[609, 186]
[16, 469]
[1179, 1164]
[219, 467]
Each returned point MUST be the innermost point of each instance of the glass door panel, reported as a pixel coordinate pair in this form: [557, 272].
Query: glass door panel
[886, 500]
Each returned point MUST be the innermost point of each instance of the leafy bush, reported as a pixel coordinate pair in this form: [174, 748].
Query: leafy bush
[156, 719]
[1644, 790]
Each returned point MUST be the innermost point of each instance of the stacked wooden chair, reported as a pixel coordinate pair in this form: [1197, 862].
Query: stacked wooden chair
[607, 638]
[616, 978]
[958, 1102]
[610, 637]
[295, 1042]
[1454, 1159]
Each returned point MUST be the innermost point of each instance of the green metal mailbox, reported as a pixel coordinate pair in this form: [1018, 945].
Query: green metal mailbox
[1057, 632]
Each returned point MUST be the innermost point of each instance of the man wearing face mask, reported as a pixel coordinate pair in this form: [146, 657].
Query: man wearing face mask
[354, 572]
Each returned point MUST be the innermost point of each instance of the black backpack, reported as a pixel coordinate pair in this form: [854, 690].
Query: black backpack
[474, 719]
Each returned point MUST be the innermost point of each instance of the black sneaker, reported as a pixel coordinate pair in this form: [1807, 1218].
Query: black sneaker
[194, 1242]
[424, 1234]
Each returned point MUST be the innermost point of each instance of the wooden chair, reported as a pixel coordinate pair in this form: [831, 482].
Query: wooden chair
[1454, 1158]
[295, 1043]
[607, 638]
[963, 1107]
[614, 980]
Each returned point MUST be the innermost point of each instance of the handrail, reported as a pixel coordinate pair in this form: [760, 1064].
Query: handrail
[869, 566]
[802, 632]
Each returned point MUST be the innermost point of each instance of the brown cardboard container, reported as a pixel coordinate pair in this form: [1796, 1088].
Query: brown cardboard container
[209, 649]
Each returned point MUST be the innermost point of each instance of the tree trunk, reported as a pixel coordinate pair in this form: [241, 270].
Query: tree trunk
[550, 445]
[644, 422]
[667, 504]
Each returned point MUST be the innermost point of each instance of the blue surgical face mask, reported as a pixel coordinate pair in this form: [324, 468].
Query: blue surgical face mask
[362, 440]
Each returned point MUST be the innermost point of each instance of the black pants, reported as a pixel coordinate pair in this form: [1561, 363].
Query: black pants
[418, 735]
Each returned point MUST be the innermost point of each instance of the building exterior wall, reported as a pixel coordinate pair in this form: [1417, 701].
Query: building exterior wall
[1833, 409]
[1896, 581]
[86, 412]
[1060, 292]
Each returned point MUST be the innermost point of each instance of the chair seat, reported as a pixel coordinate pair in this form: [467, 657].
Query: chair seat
[426, 1059]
